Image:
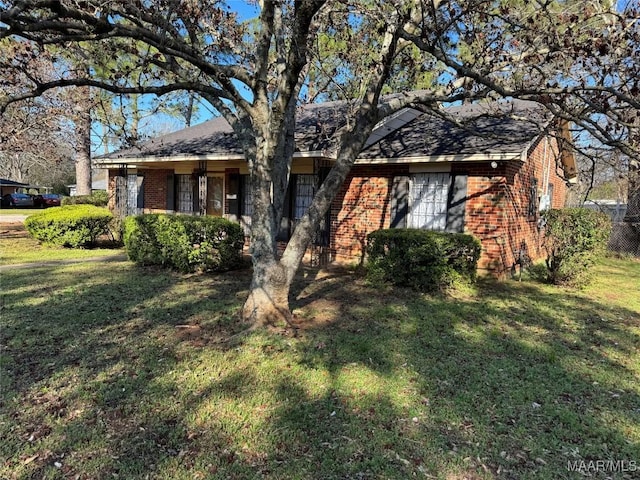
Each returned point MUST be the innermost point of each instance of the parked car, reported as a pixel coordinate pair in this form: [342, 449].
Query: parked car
[17, 200]
[47, 200]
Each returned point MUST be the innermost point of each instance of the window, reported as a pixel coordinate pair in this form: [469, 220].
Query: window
[185, 193]
[296, 202]
[428, 201]
[305, 187]
[532, 207]
[135, 193]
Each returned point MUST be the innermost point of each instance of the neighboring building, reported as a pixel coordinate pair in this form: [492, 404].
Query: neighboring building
[612, 208]
[10, 186]
[96, 185]
[489, 177]
[99, 179]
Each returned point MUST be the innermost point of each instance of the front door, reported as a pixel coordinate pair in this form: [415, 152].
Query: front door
[215, 195]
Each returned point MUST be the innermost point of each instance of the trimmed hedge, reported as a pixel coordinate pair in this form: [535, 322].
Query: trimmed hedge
[424, 260]
[75, 226]
[98, 198]
[184, 243]
[574, 240]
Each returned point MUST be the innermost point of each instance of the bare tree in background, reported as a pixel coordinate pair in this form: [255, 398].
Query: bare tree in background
[35, 142]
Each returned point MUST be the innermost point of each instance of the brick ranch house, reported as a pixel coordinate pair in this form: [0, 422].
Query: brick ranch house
[489, 174]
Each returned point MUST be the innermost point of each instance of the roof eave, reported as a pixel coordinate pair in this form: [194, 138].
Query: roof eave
[450, 158]
[118, 162]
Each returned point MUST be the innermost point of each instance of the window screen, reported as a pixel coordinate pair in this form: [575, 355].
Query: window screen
[132, 194]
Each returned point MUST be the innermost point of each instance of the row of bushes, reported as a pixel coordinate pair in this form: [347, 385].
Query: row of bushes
[420, 259]
[75, 226]
[181, 242]
[184, 243]
[574, 239]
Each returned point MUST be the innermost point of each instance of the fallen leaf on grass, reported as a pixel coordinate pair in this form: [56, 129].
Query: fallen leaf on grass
[30, 459]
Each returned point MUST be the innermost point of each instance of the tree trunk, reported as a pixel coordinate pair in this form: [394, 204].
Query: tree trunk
[268, 301]
[83, 142]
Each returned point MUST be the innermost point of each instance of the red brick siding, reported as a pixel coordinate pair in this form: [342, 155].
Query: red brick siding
[362, 206]
[496, 207]
[483, 215]
[155, 189]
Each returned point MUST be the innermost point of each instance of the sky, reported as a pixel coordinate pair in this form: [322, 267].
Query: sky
[162, 124]
[245, 10]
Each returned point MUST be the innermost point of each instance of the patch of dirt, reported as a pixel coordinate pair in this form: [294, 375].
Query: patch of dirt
[318, 313]
[13, 230]
[192, 334]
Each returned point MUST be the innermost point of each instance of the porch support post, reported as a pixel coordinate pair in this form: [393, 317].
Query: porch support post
[202, 188]
[121, 192]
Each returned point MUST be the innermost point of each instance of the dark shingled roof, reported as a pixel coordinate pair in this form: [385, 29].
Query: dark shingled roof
[209, 138]
[5, 182]
[498, 127]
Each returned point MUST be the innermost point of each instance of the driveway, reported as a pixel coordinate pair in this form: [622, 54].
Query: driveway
[12, 218]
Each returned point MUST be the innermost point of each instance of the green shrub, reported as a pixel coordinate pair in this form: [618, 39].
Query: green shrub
[421, 259]
[140, 239]
[574, 239]
[184, 243]
[75, 226]
[99, 198]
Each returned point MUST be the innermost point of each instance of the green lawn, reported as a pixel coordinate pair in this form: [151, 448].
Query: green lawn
[112, 371]
[19, 211]
[16, 246]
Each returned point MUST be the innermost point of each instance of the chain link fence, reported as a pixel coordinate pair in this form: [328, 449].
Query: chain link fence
[625, 238]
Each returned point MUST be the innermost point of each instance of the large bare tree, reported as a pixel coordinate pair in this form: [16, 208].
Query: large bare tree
[35, 142]
[579, 58]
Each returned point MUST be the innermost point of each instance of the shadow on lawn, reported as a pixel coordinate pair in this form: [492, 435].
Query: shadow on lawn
[512, 383]
[80, 350]
[513, 390]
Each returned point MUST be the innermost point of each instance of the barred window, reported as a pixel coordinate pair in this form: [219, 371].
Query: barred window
[185, 193]
[532, 208]
[305, 187]
[428, 199]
